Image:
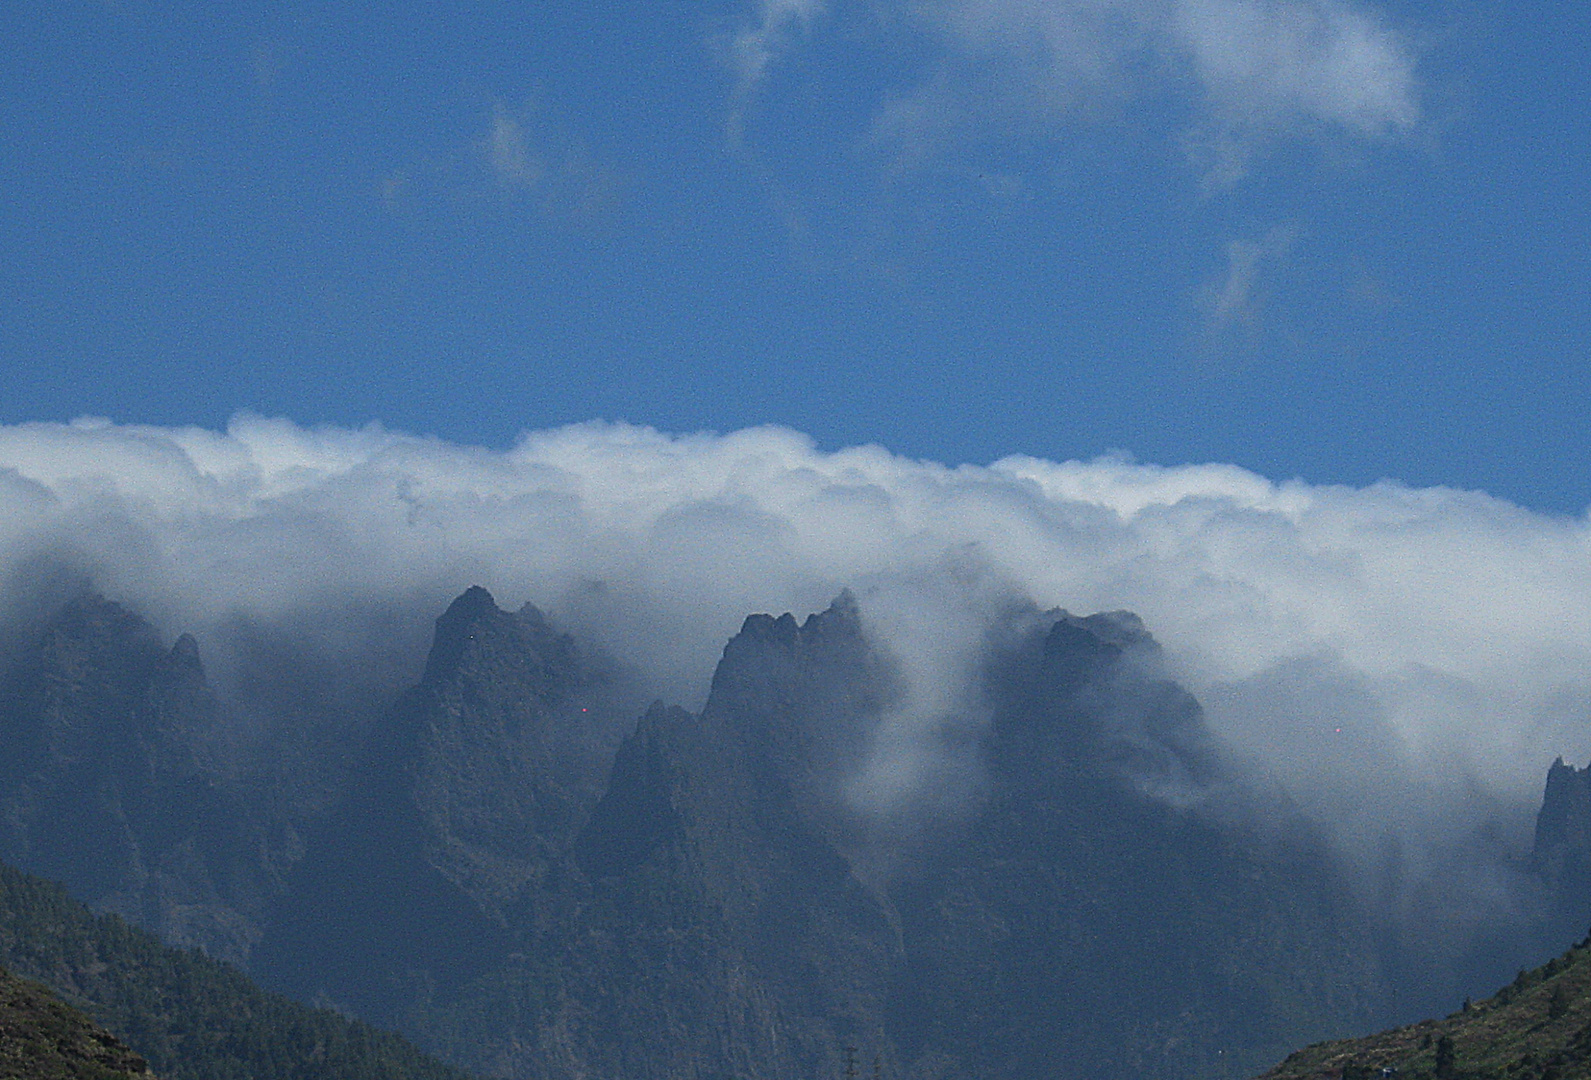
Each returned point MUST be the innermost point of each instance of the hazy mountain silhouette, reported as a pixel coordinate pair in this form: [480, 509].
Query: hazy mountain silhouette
[1059, 877]
[113, 783]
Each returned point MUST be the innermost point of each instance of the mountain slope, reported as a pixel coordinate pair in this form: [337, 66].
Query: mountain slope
[448, 856]
[191, 1017]
[111, 781]
[735, 903]
[44, 1039]
[694, 922]
[720, 910]
[1082, 905]
[531, 884]
[1536, 1028]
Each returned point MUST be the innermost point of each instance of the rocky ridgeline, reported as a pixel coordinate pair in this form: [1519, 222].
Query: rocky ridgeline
[530, 882]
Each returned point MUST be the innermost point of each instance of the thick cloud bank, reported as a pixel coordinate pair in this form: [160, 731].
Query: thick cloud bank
[1382, 653]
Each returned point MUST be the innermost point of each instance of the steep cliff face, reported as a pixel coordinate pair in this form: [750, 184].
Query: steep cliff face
[1562, 854]
[506, 745]
[112, 783]
[698, 923]
[1092, 902]
[449, 845]
[721, 915]
[1069, 920]
[532, 884]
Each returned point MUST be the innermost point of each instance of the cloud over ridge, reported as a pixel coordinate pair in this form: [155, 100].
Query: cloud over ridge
[1445, 634]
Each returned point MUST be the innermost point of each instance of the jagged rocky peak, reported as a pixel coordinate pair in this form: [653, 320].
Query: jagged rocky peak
[1091, 692]
[511, 696]
[117, 784]
[460, 815]
[95, 676]
[1054, 654]
[1107, 631]
[93, 652]
[841, 621]
[1078, 647]
[1563, 828]
[184, 658]
[90, 615]
[782, 647]
[803, 699]
[774, 661]
[1565, 817]
[474, 632]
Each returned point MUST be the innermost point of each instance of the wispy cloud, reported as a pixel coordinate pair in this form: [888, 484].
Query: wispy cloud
[508, 151]
[1253, 63]
[529, 157]
[1245, 70]
[1267, 60]
[1234, 300]
[774, 23]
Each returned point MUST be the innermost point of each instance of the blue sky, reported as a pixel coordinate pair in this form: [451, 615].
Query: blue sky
[1340, 241]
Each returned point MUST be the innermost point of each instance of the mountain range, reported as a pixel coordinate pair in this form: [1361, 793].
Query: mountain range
[512, 869]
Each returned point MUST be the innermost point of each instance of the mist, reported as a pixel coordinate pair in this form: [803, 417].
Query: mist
[1401, 664]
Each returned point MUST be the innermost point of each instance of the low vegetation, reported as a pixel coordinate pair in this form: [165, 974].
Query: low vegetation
[42, 1039]
[1536, 1028]
[189, 1016]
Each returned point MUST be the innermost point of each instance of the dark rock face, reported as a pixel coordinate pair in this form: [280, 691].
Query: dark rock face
[533, 885]
[452, 841]
[1082, 907]
[721, 916]
[110, 781]
[1562, 854]
[1084, 696]
[716, 904]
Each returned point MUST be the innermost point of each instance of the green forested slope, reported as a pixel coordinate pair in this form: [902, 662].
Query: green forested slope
[42, 1039]
[190, 1016]
[1536, 1028]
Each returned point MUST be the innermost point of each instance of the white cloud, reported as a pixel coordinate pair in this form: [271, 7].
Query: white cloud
[1254, 60]
[530, 156]
[756, 46]
[1451, 629]
[1235, 300]
[508, 151]
[1248, 68]
[1320, 59]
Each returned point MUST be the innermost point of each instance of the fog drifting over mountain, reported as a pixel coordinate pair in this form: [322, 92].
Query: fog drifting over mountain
[1401, 661]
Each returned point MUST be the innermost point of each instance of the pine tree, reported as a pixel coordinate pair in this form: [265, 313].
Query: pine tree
[1557, 1004]
[1446, 1067]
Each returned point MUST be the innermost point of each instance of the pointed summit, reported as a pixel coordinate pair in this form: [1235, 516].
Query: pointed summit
[1562, 852]
[456, 628]
[474, 602]
[182, 664]
[474, 626]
